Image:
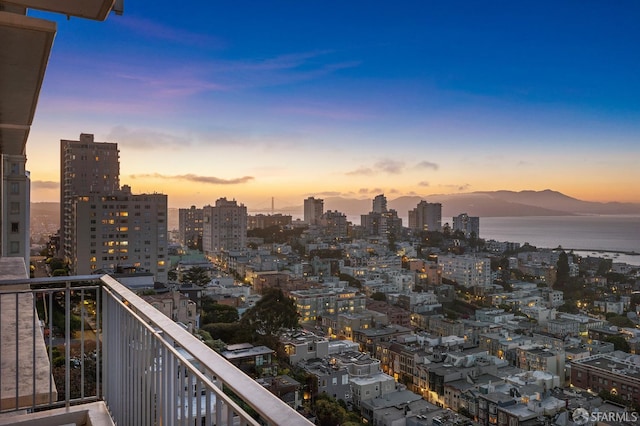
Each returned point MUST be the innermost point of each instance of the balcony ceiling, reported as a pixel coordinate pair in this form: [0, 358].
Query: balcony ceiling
[24, 52]
[89, 9]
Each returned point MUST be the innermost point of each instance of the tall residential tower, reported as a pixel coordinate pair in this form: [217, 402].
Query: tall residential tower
[103, 227]
[313, 210]
[86, 167]
[190, 227]
[426, 217]
[224, 227]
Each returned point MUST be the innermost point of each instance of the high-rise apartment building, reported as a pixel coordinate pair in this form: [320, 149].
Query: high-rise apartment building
[381, 221]
[426, 217]
[262, 221]
[313, 210]
[103, 227]
[86, 167]
[224, 227]
[379, 204]
[190, 227]
[120, 231]
[469, 225]
[15, 194]
[334, 224]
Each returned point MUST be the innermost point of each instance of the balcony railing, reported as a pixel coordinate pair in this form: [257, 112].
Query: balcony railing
[67, 341]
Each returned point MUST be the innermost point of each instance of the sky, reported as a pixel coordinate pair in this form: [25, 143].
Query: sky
[282, 100]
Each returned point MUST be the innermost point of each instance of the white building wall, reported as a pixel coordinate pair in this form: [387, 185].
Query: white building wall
[467, 270]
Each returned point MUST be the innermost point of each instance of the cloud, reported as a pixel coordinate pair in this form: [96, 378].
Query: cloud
[423, 183]
[247, 136]
[367, 191]
[175, 83]
[146, 139]
[362, 171]
[45, 184]
[152, 29]
[329, 111]
[393, 191]
[392, 167]
[427, 165]
[462, 187]
[195, 178]
[278, 70]
[327, 194]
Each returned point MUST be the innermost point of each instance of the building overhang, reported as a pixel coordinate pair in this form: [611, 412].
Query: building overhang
[24, 53]
[89, 9]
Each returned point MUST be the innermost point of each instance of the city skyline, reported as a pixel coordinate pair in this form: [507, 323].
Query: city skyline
[252, 101]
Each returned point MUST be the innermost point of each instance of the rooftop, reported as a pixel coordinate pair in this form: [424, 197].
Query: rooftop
[612, 365]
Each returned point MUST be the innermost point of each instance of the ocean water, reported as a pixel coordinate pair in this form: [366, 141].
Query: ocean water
[583, 234]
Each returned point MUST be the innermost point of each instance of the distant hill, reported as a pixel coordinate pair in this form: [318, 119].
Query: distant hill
[481, 203]
[45, 209]
[491, 204]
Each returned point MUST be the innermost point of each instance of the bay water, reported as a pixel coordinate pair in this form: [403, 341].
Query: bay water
[613, 236]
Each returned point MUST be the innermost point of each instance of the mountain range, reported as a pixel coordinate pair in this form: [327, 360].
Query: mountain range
[487, 204]
[481, 203]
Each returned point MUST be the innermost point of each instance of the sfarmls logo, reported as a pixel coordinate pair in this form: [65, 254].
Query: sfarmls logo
[581, 416]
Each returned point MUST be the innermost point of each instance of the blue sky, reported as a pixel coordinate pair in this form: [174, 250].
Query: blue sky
[284, 99]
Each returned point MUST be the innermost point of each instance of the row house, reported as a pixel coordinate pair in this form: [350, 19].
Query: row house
[441, 326]
[473, 330]
[328, 378]
[503, 345]
[368, 339]
[431, 378]
[509, 409]
[537, 358]
[256, 361]
[176, 306]
[302, 345]
[400, 361]
[563, 327]
[344, 325]
[395, 314]
[586, 322]
[314, 303]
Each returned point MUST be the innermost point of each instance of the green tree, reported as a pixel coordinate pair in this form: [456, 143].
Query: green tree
[619, 343]
[271, 315]
[569, 308]
[562, 271]
[379, 296]
[229, 333]
[328, 411]
[353, 282]
[56, 263]
[196, 275]
[620, 321]
[213, 312]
